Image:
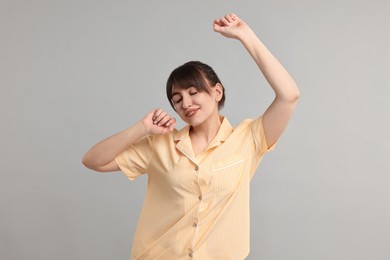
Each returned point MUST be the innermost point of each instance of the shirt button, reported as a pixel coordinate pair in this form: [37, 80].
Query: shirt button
[200, 197]
[196, 168]
[194, 225]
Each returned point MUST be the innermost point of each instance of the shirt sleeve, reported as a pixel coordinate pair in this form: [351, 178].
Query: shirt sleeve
[135, 159]
[258, 135]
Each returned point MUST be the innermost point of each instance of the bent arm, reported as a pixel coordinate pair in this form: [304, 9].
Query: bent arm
[277, 115]
[101, 156]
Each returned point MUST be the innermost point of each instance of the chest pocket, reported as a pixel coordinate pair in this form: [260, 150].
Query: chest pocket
[226, 175]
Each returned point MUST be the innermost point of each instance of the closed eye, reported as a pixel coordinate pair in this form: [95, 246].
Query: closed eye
[176, 101]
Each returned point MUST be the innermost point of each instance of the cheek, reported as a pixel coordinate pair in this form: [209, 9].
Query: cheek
[203, 98]
[208, 100]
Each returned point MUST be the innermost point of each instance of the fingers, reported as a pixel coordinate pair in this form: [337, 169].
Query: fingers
[161, 118]
[158, 115]
[158, 121]
[171, 124]
[226, 20]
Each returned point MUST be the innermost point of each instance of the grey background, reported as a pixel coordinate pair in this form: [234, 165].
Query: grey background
[75, 72]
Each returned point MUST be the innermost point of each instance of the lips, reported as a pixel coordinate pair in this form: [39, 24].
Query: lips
[191, 113]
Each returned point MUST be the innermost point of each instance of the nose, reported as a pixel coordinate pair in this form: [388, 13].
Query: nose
[186, 102]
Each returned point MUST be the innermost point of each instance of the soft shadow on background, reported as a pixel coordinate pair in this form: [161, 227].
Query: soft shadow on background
[75, 72]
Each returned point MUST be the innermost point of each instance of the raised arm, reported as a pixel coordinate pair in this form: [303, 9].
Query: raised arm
[101, 156]
[277, 115]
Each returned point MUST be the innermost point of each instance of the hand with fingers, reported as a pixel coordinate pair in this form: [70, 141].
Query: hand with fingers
[158, 121]
[230, 26]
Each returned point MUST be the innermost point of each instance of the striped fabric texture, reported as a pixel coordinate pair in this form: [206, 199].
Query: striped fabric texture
[196, 207]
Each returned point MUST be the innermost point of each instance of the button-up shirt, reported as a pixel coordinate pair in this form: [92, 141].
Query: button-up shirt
[196, 207]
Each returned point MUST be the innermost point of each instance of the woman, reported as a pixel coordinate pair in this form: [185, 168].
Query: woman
[197, 201]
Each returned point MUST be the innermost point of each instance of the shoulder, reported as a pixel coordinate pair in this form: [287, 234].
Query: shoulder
[163, 139]
[245, 124]
[249, 126]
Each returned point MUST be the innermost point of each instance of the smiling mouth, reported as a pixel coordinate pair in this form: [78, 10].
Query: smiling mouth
[191, 113]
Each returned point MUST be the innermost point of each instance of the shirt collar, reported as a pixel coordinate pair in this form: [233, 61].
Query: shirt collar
[223, 133]
[183, 139]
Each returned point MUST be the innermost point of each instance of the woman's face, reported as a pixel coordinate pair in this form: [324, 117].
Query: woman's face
[195, 107]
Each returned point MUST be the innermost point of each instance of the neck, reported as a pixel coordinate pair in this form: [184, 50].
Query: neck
[208, 129]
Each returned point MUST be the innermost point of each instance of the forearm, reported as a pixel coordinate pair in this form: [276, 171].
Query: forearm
[106, 150]
[276, 75]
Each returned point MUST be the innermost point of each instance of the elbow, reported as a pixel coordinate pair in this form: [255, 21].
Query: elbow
[290, 98]
[84, 161]
[92, 165]
[294, 95]
[289, 94]
[87, 163]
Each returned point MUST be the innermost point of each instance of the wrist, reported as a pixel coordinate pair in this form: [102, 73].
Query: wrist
[246, 35]
[142, 129]
[137, 131]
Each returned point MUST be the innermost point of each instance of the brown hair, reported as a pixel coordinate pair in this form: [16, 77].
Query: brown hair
[193, 74]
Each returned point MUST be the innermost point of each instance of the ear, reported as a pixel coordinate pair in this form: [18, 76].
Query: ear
[218, 90]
